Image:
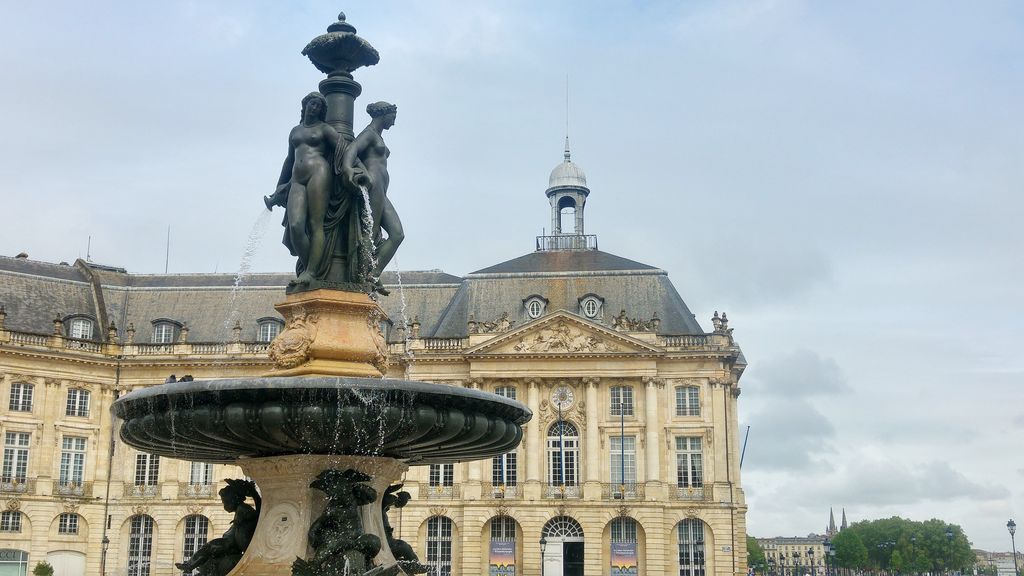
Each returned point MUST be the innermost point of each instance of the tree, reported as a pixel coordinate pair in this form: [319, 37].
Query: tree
[755, 554]
[43, 569]
[850, 550]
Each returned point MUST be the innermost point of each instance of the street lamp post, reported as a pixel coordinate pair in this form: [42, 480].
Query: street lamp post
[1012, 527]
[949, 538]
[810, 560]
[543, 546]
[827, 545]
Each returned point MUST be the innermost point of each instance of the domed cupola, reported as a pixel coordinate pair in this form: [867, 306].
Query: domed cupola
[567, 192]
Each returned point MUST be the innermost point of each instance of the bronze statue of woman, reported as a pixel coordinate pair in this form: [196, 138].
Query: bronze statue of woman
[305, 188]
[364, 165]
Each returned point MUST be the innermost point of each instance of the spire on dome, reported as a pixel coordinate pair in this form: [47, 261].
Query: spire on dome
[568, 157]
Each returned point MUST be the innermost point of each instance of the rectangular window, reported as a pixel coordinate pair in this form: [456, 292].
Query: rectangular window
[78, 403]
[15, 467]
[147, 469]
[10, 521]
[442, 474]
[72, 460]
[506, 392]
[622, 459]
[503, 470]
[269, 330]
[200, 473]
[622, 401]
[687, 401]
[68, 523]
[21, 397]
[196, 533]
[689, 462]
[81, 328]
[163, 333]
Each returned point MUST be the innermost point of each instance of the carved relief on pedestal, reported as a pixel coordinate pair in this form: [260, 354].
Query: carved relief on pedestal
[279, 538]
[291, 347]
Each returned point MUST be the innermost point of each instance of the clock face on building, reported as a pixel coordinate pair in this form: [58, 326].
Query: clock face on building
[562, 397]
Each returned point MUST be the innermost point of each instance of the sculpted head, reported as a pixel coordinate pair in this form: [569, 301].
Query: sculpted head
[318, 98]
[378, 109]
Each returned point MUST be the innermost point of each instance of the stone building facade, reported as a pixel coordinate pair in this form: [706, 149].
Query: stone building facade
[633, 445]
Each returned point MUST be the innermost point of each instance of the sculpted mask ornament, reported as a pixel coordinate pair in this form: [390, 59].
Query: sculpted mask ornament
[291, 347]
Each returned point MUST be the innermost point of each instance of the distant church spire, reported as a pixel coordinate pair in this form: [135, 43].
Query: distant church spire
[843, 525]
[831, 530]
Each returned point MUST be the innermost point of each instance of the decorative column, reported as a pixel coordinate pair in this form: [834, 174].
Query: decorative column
[652, 464]
[592, 444]
[534, 453]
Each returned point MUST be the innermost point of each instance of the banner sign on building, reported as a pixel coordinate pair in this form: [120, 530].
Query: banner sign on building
[624, 559]
[503, 558]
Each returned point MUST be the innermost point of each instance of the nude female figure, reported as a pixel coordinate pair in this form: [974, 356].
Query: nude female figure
[305, 186]
[365, 164]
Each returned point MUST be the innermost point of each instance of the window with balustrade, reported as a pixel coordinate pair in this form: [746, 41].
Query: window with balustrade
[269, 328]
[621, 400]
[441, 474]
[147, 469]
[200, 473]
[77, 403]
[67, 524]
[72, 461]
[140, 545]
[622, 460]
[81, 328]
[439, 546]
[15, 464]
[689, 462]
[563, 454]
[21, 397]
[690, 534]
[687, 401]
[503, 470]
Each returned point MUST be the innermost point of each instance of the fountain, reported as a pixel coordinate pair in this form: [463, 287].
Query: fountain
[323, 436]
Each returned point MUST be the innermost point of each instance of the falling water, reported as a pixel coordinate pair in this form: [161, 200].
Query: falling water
[371, 258]
[405, 319]
[252, 244]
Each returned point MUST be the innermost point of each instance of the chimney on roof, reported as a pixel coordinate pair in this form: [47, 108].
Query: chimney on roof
[23, 255]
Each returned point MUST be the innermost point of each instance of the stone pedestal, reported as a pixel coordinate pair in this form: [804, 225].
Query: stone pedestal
[290, 507]
[330, 333]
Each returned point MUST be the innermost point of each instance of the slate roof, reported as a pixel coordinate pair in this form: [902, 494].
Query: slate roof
[35, 292]
[564, 261]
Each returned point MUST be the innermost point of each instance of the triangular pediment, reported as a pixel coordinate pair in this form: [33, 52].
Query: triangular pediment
[559, 334]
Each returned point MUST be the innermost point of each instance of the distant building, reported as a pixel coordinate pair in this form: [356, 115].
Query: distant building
[633, 441]
[794, 555]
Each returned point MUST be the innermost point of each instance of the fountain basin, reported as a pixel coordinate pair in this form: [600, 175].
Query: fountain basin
[226, 420]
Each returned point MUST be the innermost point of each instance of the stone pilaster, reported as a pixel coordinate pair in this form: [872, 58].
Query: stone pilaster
[534, 452]
[652, 464]
[592, 442]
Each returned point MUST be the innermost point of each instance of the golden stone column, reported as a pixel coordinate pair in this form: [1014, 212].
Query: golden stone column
[592, 443]
[534, 454]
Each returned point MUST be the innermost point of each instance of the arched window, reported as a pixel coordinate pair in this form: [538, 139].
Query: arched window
[623, 529]
[563, 527]
[563, 458]
[81, 328]
[21, 397]
[535, 306]
[67, 523]
[269, 328]
[140, 545]
[691, 547]
[503, 529]
[10, 521]
[567, 215]
[197, 528]
[164, 331]
[590, 306]
[439, 546]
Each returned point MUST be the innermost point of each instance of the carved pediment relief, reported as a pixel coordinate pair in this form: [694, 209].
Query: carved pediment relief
[562, 333]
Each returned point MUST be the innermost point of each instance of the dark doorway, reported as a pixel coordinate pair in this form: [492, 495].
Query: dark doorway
[572, 559]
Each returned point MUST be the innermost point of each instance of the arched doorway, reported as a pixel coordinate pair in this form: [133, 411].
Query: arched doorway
[563, 553]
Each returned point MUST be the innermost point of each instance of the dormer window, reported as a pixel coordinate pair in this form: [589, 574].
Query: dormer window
[535, 306]
[591, 306]
[165, 331]
[81, 328]
[269, 328]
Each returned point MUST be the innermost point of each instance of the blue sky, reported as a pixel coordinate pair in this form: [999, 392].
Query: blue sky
[843, 178]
